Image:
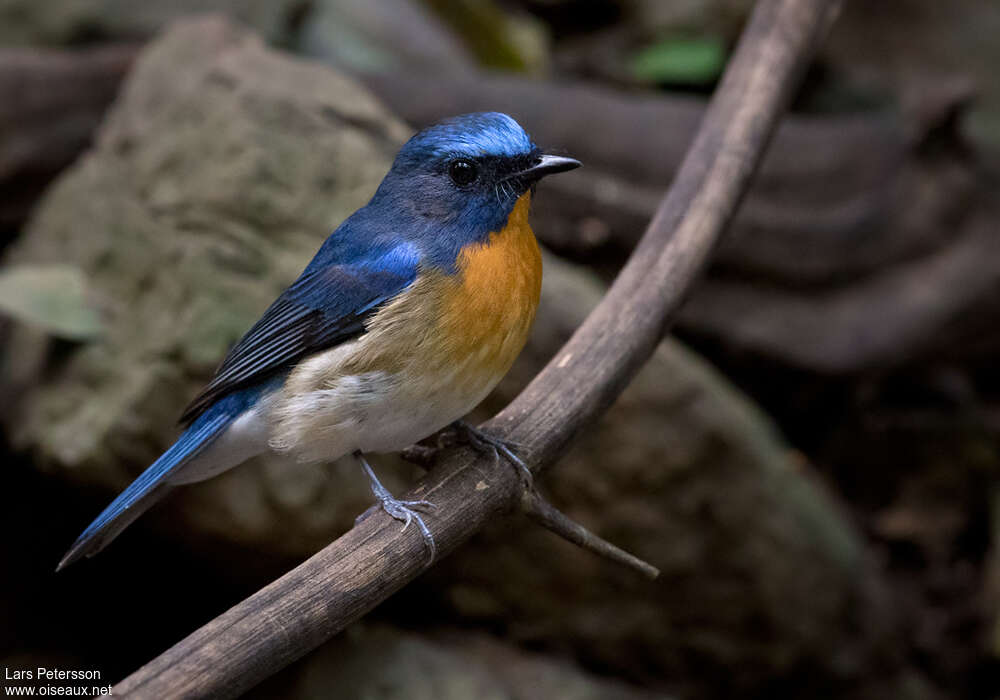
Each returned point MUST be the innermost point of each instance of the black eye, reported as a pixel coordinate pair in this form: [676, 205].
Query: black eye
[463, 172]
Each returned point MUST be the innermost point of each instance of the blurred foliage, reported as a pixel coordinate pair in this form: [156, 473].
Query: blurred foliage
[680, 60]
[52, 297]
[498, 39]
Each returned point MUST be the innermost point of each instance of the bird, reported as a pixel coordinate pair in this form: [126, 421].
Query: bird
[408, 315]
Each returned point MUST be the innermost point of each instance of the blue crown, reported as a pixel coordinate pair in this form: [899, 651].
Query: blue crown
[473, 135]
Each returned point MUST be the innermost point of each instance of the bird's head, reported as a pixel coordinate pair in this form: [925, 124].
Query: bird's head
[460, 179]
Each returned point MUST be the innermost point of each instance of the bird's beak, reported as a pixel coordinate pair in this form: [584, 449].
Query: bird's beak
[546, 165]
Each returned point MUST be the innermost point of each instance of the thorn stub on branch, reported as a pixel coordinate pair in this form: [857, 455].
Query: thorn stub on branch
[533, 503]
[551, 518]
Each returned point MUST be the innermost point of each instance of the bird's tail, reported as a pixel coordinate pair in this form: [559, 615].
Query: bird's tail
[150, 487]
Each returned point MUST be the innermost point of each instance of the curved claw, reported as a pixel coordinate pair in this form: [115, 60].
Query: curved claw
[484, 442]
[400, 510]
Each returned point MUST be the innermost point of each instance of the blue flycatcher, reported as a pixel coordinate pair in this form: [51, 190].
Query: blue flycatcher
[406, 318]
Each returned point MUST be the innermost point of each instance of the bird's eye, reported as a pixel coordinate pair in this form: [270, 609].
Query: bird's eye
[463, 172]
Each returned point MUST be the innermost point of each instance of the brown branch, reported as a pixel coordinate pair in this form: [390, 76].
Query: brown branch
[534, 505]
[304, 608]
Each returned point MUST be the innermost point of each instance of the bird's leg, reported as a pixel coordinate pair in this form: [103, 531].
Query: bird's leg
[405, 511]
[485, 443]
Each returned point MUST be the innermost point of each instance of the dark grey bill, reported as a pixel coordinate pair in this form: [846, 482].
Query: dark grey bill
[546, 165]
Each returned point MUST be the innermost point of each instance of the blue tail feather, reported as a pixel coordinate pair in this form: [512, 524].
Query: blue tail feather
[153, 484]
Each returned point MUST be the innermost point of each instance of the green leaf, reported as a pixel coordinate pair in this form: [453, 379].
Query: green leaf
[50, 296]
[680, 60]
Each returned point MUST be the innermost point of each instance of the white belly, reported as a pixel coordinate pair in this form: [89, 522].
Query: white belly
[375, 411]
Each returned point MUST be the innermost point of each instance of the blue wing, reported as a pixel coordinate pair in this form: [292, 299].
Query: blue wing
[327, 305]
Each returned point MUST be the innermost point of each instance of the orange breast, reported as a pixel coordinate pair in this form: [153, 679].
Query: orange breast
[486, 317]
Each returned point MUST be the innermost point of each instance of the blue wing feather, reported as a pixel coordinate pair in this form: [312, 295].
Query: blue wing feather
[327, 305]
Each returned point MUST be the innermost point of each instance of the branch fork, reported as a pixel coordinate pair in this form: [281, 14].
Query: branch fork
[538, 509]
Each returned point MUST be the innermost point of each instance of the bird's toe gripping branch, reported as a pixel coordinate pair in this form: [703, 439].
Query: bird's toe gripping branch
[485, 443]
[404, 511]
[460, 432]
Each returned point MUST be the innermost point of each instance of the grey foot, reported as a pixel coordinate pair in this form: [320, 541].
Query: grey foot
[404, 511]
[487, 444]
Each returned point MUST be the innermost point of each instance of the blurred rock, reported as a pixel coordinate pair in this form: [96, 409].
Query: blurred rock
[64, 22]
[382, 662]
[381, 35]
